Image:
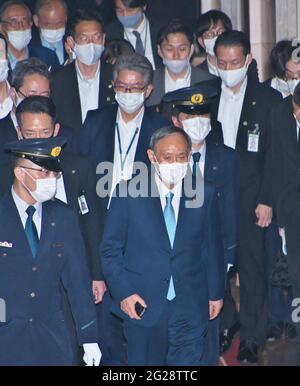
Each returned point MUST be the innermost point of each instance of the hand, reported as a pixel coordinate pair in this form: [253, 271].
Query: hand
[215, 308]
[92, 354]
[99, 289]
[264, 216]
[128, 306]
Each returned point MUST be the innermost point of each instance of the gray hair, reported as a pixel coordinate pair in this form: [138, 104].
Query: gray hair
[27, 67]
[10, 3]
[134, 62]
[165, 132]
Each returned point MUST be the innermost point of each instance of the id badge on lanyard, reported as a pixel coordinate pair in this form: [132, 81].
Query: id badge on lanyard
[253, 140]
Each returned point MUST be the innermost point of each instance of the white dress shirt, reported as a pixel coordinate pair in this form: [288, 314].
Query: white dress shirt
[88, 91]
[230, 110]
[145, 33]
[212, 68]
[202, 151]
[164, 191]
[22, 207]
[61, 191]
[173, 85]
[7, 105]
[127, 133]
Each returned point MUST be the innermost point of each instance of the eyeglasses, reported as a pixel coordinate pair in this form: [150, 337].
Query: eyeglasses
[125, 88]
[16, 25]
[45, 172]
[212, 34]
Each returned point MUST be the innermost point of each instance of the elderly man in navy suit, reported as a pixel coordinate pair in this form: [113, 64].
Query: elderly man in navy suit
[36, 256]
[191, 111]
[162, 259]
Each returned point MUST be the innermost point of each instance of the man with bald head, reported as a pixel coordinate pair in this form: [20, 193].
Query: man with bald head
[50, 17]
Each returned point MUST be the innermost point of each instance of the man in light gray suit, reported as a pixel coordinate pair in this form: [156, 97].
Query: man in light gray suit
[175, 47]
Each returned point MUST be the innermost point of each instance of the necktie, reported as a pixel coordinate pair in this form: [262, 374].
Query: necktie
[31, 231]
[170, 221]
[139, 47]
[196, 159]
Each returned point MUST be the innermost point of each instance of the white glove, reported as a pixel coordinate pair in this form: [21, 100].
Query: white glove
[92, 354]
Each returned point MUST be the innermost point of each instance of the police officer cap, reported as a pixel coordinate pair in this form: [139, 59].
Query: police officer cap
[196, 99]
[44, 152]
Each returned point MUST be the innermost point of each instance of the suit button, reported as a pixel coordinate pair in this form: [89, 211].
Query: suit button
[4, 254]
[30, 320]
[59, 255]
[34, 269]
[32, 295]
[215, 168]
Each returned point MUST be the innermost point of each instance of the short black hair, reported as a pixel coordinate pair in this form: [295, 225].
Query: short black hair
[36, 105]
[83, 15]
[175, 26]
[27, 67]
[10, 3]
[134, 3]
[213, 17]
[166, 131]
[116, 47]
[280, 55]
[233, 39]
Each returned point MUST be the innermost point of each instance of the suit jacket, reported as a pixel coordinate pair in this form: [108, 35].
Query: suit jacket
[44, 54]
[8, 134]
[65, 94]
[79, 180]
[252, 70]
[253, 169]
[158, 93]
[137, 256]
[97, 139]
[35, 332]
[286, 164]
[220, 171]
[115, 30]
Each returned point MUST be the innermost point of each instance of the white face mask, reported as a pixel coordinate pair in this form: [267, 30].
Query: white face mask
[130, 102]
[45, 188]
[171, 174]
[3, 70]
[53, 36]
[282, 86]
[19, 39]
[292, 84]
[197, 128]
[210, 45]
[88, 53]
[232, 78]
[176, 66]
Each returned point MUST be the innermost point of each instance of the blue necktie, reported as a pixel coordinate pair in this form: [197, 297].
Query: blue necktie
[31, 231]
[139, 47]
[170, 221]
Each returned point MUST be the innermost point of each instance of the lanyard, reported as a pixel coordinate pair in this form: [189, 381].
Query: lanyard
[122, 162]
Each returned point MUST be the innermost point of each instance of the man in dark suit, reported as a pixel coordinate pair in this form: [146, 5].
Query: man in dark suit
[125, 128]
[36, 118]
[122, 130]
[210, 25]
[36, 255]
[16, 23]
[165, 274]
[175, 47]
[191, 111]
[30, 77]
[134, 26]
[285, 125]
[85, 84]
[50, 19]
[244, 110]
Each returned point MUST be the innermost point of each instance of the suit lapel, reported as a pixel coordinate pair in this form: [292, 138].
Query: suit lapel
[74, 98]
[291, 131]
[68, 176]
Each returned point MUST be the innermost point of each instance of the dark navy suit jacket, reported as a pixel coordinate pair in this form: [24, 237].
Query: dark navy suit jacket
[220, 170]
[137, 257]
[35, 332]
[44, 54]
[97, 138]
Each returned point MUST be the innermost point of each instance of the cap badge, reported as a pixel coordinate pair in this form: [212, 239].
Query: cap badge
[197, 99]
[56, 151]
